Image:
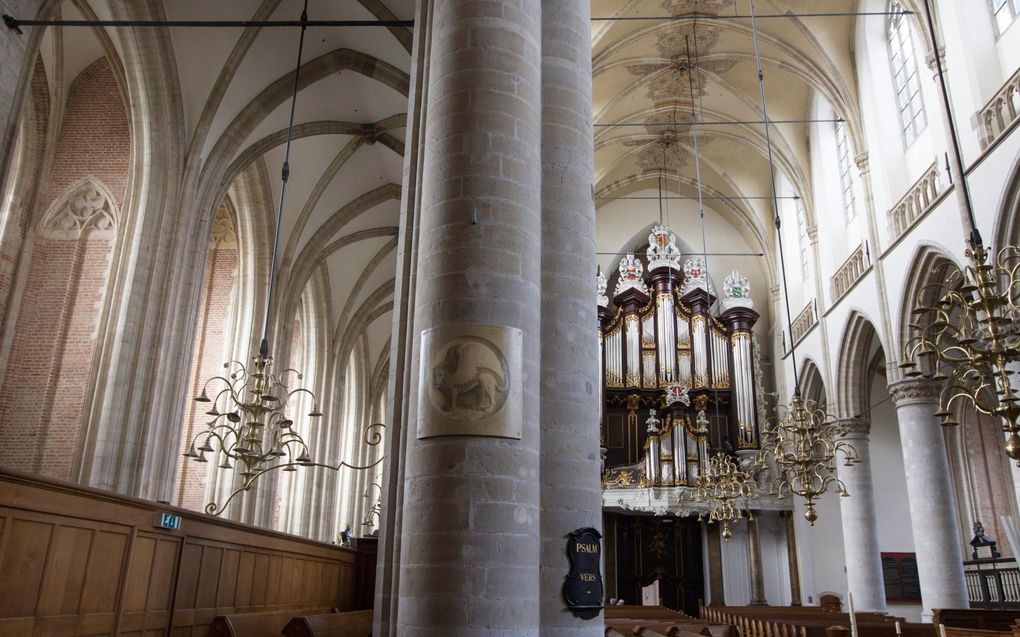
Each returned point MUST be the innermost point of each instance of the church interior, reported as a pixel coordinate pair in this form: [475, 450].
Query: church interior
[510, 318]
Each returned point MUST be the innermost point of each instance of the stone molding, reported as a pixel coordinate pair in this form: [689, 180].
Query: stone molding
[855, 428]
[912, 391]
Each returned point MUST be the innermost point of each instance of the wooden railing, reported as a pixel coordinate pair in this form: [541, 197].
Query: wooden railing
[1000, 112]
[918, 201]
[804, 322]
[993, 583]
[849, 273]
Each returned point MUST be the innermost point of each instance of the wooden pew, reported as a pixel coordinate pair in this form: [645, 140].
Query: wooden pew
[351, 624]
[774, 621]
[656, 621]
[268, 624]
[990, 620]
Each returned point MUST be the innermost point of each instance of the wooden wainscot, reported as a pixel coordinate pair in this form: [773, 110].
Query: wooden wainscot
[79, 561]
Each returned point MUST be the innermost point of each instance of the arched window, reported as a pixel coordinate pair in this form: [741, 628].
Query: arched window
[846, 181]
[1005, 11]
[904, 72]
[802, 240]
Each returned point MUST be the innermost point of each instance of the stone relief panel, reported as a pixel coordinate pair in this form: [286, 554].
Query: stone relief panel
[470, 381]
[87, 206]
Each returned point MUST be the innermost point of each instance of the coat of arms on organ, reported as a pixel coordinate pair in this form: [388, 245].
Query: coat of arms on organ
[668, 346]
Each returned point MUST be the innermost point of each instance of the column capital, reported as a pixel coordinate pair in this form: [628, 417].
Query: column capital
[774, 292]
[863, 162]
[915, 390]
[854, 428]
[930, 61]
[812, 233]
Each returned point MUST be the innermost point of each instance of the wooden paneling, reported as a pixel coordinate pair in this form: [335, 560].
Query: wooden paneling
[76, 561]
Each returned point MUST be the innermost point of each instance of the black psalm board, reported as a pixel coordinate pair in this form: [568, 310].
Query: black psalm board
[582, 589]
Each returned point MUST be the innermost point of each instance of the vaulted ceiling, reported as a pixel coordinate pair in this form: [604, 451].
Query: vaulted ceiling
[340, 218]
[665, 87]
[651, 78]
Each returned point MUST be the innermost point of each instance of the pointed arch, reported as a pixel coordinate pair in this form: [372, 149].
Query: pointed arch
[929, 266]
[812, 384]
[1007, 221]
[859, 346]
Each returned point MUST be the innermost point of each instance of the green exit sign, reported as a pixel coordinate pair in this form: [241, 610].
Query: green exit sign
[169, 521]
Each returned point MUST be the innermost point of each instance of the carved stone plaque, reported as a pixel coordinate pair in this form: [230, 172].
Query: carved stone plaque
[470, 381]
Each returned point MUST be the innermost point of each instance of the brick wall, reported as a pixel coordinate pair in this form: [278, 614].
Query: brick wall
[43, 394]
[212, 332]
[95, 137]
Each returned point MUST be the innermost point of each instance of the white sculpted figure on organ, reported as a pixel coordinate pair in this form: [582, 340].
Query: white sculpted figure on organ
[631, 272]
[662, 249]
[695, 275]
[736, 291]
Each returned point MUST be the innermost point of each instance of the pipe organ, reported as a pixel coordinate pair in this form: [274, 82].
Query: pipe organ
[678, 378]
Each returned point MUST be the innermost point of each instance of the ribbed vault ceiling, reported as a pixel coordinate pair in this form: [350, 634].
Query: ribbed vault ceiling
[342, 201]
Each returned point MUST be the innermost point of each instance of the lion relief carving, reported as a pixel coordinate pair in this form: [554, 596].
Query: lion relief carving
[469, 378]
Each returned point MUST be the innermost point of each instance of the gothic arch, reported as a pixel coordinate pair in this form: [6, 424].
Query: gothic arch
[858, 348]
[928, 266]
[1007, 220]
[812, 384]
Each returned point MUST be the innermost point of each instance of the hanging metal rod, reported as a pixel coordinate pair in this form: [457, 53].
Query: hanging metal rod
[15, 23]
[691, 124]
[711, 254]
[826, 14]
[679, 198]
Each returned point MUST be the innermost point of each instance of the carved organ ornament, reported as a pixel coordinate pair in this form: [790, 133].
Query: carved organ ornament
[663, 349]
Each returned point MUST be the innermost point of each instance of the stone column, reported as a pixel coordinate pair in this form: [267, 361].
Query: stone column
[860, 522]
[469, 563]
[570, 462]
[717, 588]
[932, 511]
[791, 557]
[399, 383]
[754, 563]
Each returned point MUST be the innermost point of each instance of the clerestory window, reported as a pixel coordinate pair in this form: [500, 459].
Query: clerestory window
[904, 73]
[802, 239]
[846, 182]
[1005, 11]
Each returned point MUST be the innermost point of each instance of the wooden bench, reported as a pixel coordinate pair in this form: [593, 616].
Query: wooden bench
[351, 624]
[992, 620]
[656, 621]
[268, 624]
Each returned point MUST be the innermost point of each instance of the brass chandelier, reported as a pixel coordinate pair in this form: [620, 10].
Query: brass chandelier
[802, 444]
[721, 486]
[249, 422]
[254, 429]
[965, 326]
[968, 323]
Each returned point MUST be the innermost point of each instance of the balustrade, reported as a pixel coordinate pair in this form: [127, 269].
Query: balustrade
[804, 322]
[1000, 112]
[849, 273]
[916, 203]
